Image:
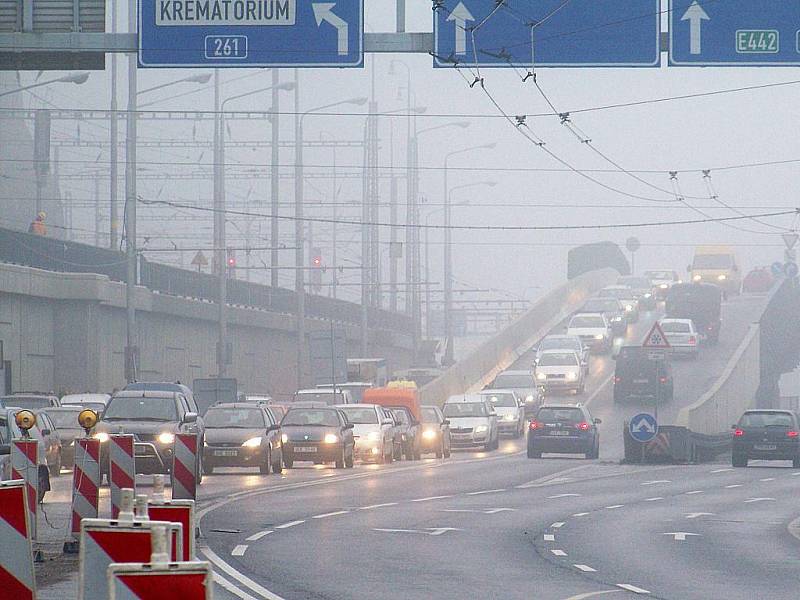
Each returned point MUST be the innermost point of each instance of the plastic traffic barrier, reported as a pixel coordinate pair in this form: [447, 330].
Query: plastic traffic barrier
[159, 578]
[85, 487]
[16, 552]
[105, 541]
[25, 465]
[121, 469]
[177, 511]
[184, 467]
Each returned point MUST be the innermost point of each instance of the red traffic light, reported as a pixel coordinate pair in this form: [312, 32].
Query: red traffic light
[317, 261]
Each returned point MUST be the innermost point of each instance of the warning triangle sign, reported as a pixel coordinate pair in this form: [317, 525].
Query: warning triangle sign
[656, 338]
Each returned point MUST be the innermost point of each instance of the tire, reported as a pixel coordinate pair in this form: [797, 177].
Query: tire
[739, 461]
[447, 451]
[532, 453]
[389, 459]
[208, 469]
[276, 467]
[440, 450]
[350, 461]
[416, 453]
[264, 467]
[55, 470]
[397, 451]
[488, 446]
[340, 460]
[288, 462]
[796, 462]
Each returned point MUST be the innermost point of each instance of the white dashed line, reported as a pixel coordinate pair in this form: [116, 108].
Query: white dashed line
[722, 470]
[257, 536]
[549, 537]
[733, 485]
[767, 479]
[656, 498]
[557, 525]
[431, 498]
[751, 500]
[289, 524]
[497, 491]
[558, 552]
[585, 568]
[632, 588]
[239, 550]
[580, 514]
[656, 482]
[331, 514]
[563, 496]
[798, 473]
[693, 492]
[373, 506]
[613, 506]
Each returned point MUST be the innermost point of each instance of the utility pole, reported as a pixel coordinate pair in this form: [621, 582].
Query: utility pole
[132, 349]
[373, 196]
[97, 220]
[365, 270]
[334, 254]
[275, 180]
[393, 254]
[299, 253]
[219, 231]
[114, 134]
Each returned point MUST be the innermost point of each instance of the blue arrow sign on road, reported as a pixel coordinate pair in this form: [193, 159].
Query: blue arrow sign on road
[643, 427]
[546, 33]
[251, 33]
[790, 270]
[734, 32]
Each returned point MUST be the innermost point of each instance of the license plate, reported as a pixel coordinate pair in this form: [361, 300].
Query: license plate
[225, 453]
[559, 433]
[305, 449]
[640, 381]
[765, 447]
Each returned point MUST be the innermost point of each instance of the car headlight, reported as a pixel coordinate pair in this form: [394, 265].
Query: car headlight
[663, 286]
[331, 438]
[205, 443]
[629, 307]
[599, 336]
[617, 319]
[529, 398]
[481, 428]
[373, 436]
[697, 278]
[166, 438]
[102, 436]
[510, 417]
[252, 443]
[429, 434]
[572, 375]
[722, 277]
[284, 438]
[648, 295]
[541, 376]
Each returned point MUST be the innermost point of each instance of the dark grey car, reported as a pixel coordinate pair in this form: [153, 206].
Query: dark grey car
[242, 435]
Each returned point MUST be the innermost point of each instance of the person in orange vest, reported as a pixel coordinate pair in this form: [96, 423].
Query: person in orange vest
[37, 226]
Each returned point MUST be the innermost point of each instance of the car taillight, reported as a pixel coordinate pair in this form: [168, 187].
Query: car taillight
[738, 433]
[584, 426]
[662, 379]
[692, 340]
[535, 425]
[792, 434]
[617, 379]
[710, 328]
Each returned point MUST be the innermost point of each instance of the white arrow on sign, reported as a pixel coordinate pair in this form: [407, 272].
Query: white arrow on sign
[695, 15]
[460, 14]
[323, 11]
[680, 536]
[426, 531]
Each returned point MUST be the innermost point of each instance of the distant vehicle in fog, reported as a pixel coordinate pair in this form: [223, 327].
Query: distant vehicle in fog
[97, 402]
[716, 265]
[662, 281]
[700, 302]
[522, 384]
[758, 281]
[683, 338]
[593, 330]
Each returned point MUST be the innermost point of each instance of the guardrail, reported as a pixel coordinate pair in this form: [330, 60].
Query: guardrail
[498, 353]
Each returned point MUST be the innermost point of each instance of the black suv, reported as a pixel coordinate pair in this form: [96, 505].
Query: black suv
[638, 377]
[153, 417]
[564, 429]
[765, 434]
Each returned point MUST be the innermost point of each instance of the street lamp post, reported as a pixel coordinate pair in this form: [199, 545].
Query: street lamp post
[76, 78]
[448, 257]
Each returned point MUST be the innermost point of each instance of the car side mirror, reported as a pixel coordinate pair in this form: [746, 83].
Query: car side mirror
[446, 422]
[386, 422]
[190, 417]
[272, 428]
[348, 426]
[597, 421]
[5, 449]
[46, 432]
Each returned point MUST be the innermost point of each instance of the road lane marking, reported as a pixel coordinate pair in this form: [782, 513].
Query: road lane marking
[239, 550]
[632, 588]
[374, 506]
[480, 511]
[257, 536]
[289, 524]
[549, 537]
[588, 569]
[680, 536]
[427, 531]
[613, 506]
[563, 496]
[751, 500]
[232, 589]
[767, 479]
[591, 594]
[497, 491]
[694, 492]
[722, 470]
[733, 485]
[656, 482]
[580, 514]
[598, 390]
[797, 473]
[261, 591]
[429, 498]
[654, 499]
[557, 525]
[331, 514]
[558, 552]
[698, 514]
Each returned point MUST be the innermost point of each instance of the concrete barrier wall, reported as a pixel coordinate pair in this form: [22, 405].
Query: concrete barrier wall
[731, 394]
[483, 364]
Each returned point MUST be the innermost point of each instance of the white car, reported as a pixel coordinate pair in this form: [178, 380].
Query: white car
[373, 431]
[566, 342]
[324, 396]
[473, 422]
[560, 370]
[682, 335]
[593, 330]
[510, 411]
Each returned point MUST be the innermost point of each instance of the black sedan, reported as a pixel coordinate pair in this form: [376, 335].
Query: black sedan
[242, 435]
[766, 435]
[318, 435]
[563, 429]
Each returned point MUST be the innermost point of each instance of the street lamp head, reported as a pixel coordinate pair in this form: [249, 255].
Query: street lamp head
[357, 101]
[287, 86]
[201, 78]
[76, 78]
[461, 124]
[491, 146]
[419, 110]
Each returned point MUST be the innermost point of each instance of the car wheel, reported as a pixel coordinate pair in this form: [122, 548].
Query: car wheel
[440, 450]
[532, 453]
[55, 470]
[350, 460]
[417, 453]
[447, 450]
[738, 460]
[276, 465]
[488, 446]
[263, 468]
[390, 456]
[288, 462]
[208, 469]
[340, 460]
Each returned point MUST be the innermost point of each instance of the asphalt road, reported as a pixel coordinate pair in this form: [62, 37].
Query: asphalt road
[499, 525]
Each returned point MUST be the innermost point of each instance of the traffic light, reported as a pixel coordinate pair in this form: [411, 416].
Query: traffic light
[230, 262]
[317, 268]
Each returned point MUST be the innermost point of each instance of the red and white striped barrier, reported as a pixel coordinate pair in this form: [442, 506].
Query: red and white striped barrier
[16, 552]
[160, 578]
[121, 469]
[104, 542]
[25, 465]
[184, 467]
[177, 511]
[85, 483]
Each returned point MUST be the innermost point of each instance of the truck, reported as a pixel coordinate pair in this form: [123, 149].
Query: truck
[700, 302]
[716, 265]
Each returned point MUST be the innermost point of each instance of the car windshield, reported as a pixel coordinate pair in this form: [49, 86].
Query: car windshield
[429, 415]
[311, 417]
[325, 397]
[766, 419]
[141, 409]
[659, 275]
[558, 359]
[559, 415]
[64, 419]
[400, 416]
[502, 400]
[601, 305]
[465, 409]
[712, 261]
[559, 344]
[513, 381]
[361, 415]
[675, 327]
[236, 418]
[29, 402]
[586, 321]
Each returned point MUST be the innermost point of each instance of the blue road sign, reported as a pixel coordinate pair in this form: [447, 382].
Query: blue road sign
[643, 427]
[734, 33]
[251, 33]
[777, 268]
[546, 33]
[790, 269]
